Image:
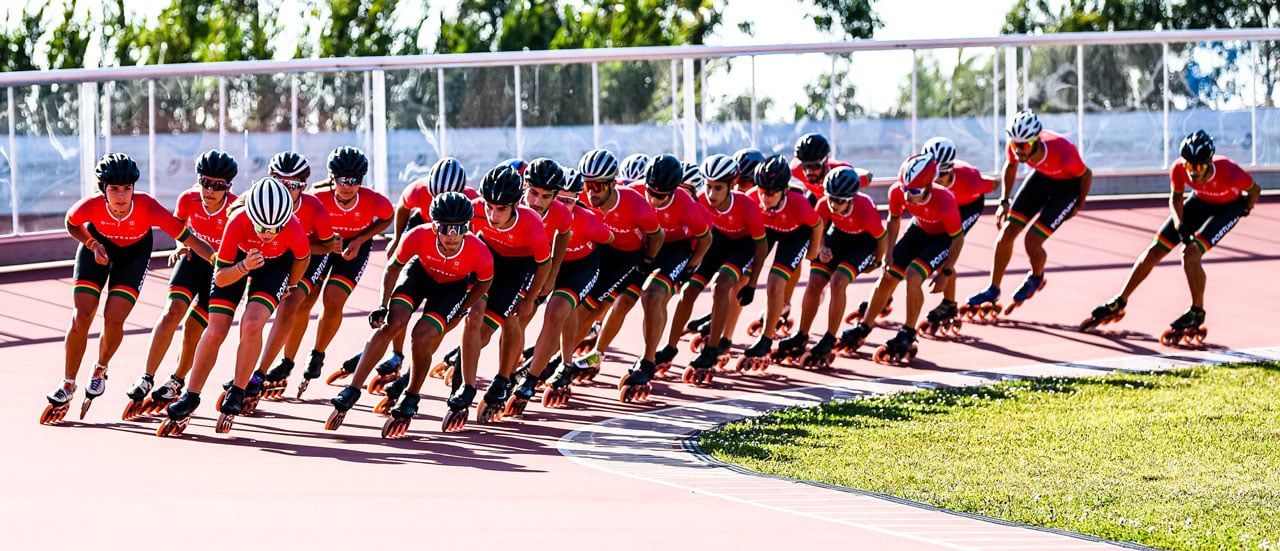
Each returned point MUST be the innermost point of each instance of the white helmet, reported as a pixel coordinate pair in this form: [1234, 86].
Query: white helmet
[268, 203]
[692, 177]
[1024, 127]
[721, 168]
[943, 151]
[634, 167]
[446, 175]
[598, 164]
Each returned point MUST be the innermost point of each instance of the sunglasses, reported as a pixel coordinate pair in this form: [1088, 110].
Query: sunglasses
[451, 229]
[772, 192]
[834, 201]
[265, 229]
[567, 199]
[1198, 167]
[815, 165]
[291, 183]
[658, 194]
[915, 192]
[214, 184]
[598, 184]
[348, 181]
[1025, 146]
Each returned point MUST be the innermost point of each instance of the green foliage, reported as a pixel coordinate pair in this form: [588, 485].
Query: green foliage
[854, 18]
[19, 42]
[965, 92]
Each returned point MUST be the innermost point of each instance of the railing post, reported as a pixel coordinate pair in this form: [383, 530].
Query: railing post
[442, 125]
[595, 105]
[13, 164]
[1080, 97]
[1164, 69]
[293, 112]
[1253, 108]
[915, 100]
[690, 151]
[675, 106]
[995, 108]
[88, 136]
[519, 114]
[151, 129]
[222, 113]
[702, 118]
[831, 109]
[108, 87]
[381, 157]
[755, 123]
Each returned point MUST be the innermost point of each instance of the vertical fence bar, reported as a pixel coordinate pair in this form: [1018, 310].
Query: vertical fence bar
[88, 136]
[519, 115]
[366, 118]
[1253, 108]
[675, 106]
[755, 122]
[293, 112]
[1026, 77]
[702, 115]
[915, 99]
[1010, 81]
[442, 125]
[222, 113]
[1164, 70]
[995, 108]
[151, 130]
[109, 87]
[831, 111]
[690, 150]
[381, 156]
[595, 105]
[1080, 96]
[13, 164]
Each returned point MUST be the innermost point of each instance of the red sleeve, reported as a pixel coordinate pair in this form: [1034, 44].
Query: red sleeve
[897, 200]
[824, 210]
[320, 220]
[754, 220]
[231, 237]
[382, 207]
[1008, 154]
[950, 212]
[482, 263]
[597, 232]
[698, 220]
[160, 217]
[808, 216]
[412, 241]
[865, 210]
[538, 242]
[1178, 177]
[643, 217]
[181, 211]
[299, 243]
[78, 215]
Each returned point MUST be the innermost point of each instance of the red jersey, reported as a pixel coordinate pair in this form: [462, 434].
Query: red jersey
[556, 220]
[940, 214]
[630, 219]
[314, 218]
[795, 212]
[1227, 183]
[473, 258]
[682, 218]
[967, 184]
[817, 190]
[368, 207]
[144, 213]
[526, 237]
[861, 218]
[587, 230]
[417, 196]
[742, 219]
[1061, 158]
[208, 226]
[239, 236]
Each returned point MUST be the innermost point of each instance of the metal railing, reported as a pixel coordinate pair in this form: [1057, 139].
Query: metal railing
[1124, 98]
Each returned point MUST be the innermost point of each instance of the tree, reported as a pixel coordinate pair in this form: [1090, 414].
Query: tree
[965, 92]
[854, 19]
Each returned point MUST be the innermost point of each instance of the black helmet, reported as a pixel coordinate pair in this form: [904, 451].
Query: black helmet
[452, 207]
[545, 174]
[116, 169]
[748, 159]
[842, 182]
[501, 185]
[217, 164]
[517, 163]
[664, 174]
[290, 164]
[812, 147]
[572, 181]
[774, 174]
[1197, 148]
[348, 162]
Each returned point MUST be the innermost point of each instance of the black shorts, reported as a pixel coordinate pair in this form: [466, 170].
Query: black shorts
[791, 249]
[266, 285]
[576, 278]
[969, 215]
[920, 251]
[851, 253]
[345, 274]
[512, 277]
[1202, 223]
[122, 275]
[726, 255]
[444, 300]
[615, 267]
[667, 266]
[317, 267]
[191, 281]
[1051, 199]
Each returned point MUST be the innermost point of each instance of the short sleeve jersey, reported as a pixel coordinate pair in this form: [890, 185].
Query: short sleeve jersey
[526, 237]
[350, 221]
[417, 196]
[1227, 184]
[940, 214]
[968, 185]
[682, 218]
[144, 213]
[313, 217]
[557, 220]
[795, 213]
[206, 225]
[240, 236]
[861, 218]
[816, 189]
[742, 219]
[630, 219]
[1061, 159]
[587, 231]
[472, 258]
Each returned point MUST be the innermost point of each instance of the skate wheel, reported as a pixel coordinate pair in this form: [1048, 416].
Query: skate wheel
[706, 377]
[515, 406]
[754, 328]
[585, 346]
[888, 309]
[454, 421]
[84, 407]
[302, 387]
[1170, 336]
[1090, 323]
[395, 427]
[448, 376]
[1201, 334]
[489, 413]
[337, 376]
[852, 318]
[168, 428]
[53, 415]
[224, 423]
[384, 406]
[437, 370]
[335, 420]
[132, 410]
[697, 342]
[881, 355]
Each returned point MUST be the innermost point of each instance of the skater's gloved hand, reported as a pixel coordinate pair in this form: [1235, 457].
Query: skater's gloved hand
[685, 274]
[645, 265]
[378, 317]
[746, 295]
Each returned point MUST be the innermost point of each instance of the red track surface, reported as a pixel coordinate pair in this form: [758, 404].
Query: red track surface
[278, 478]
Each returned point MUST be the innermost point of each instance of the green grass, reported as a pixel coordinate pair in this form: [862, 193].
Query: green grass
[1180, 460]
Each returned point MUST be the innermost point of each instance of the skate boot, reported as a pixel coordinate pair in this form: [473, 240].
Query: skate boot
[253, 393]
[635, 385]
[388, 370]
[1188, 330]
[852, 318]
[59, 403]
[588, 344]
[588, 366]
[97, 387]
[231, 405]
[443, 369]
[558, 386]
[822, 353]
[342, 403]
[790, 349]
[756, 358]
[724, 353]
[980, 305]
[179, 414]
[695, 324]
[393, 389]
[699, 339]
[523, 392]
[702, 368]
[315, 368]
[1109, 312]
[163, 395]
[1030, 286]
[137, 397]
[755, 328]
[401, 415]
[853, 338]
[900, 349]
[277, 380]
[941, 320]
[495, 399]
[662, 360]
[459, 407]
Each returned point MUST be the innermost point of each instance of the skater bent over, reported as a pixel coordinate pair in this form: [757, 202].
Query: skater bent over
[966, 183]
